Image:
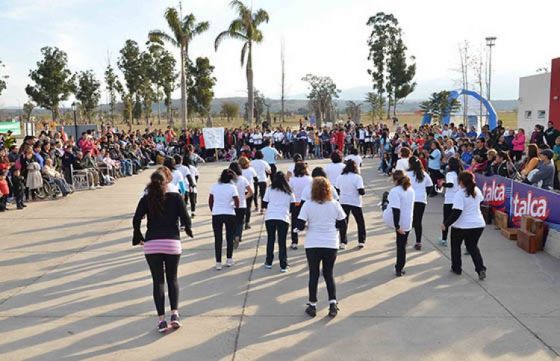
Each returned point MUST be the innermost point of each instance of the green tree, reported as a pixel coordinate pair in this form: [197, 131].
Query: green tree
[87, 92]
[440, 105]
[230, 110]
[53, 80]
[322, 92]
[27, 110]
[148, 77]
[164, 76]
[376, 104]
[2, 78]
[130, 64]
[401, 73]
[113, 86]
[182, 32]
[201, 86]
[384, 33]
[246, 29]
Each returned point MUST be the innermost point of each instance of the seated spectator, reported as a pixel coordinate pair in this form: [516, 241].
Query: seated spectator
[531, 161]
[53, 175]
[543, 175]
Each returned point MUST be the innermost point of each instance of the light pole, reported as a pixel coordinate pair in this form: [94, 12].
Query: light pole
[490, 43]
[75, 123]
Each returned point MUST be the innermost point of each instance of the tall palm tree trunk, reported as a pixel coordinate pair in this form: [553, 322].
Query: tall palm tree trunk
[183, 89]
[250, 91]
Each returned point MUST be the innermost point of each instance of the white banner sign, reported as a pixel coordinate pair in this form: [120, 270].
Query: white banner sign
[213, 137]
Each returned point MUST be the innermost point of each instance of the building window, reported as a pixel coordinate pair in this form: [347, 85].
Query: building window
[541, 114]
[528, 114]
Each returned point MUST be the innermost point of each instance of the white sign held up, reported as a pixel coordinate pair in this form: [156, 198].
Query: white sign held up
[213, 138]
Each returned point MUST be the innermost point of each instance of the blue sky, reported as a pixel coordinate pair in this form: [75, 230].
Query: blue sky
[326, 37]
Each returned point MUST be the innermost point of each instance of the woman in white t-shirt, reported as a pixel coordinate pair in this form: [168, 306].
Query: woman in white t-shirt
[351, 186]
[177, 178]
[263, 170]
[223, 200]
[251, 175]
[323, 216]
[451, 185]
[402, 163]
[334, 169]
[398, 215]
[290, 173]
[278, 201]
[193, 190]
[306, 194]
[421, 183]
[467, 224]
[355, 157]
[245, 190]
[298, 183]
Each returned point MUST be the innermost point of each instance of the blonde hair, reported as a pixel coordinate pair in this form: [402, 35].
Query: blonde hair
[321, 190]
[244, 162]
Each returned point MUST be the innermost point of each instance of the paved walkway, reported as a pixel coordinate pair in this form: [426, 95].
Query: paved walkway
[72, 288]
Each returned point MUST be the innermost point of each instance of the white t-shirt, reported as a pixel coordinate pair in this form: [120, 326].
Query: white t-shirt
[257, 138]
[333, 170]
[278, 204]
[298, 184]
[404, 201]
[185, 171]
[241, 184]
[402, 164]
[177, 177]
[261, 167]
[291, 168]
[451, 177]
[348, 184]
[471, 216]
[306, 194]
[321, 223]
[356, 158]
[223, 198]
[249, 174]
[194, 173]
[420, 194]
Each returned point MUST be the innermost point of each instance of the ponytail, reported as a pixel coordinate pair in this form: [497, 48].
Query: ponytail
[401, 179]
[417, 168]
[156, 194]
[466, 178]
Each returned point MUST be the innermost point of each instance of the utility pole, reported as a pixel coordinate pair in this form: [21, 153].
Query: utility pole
[490, 43]
[283, 62]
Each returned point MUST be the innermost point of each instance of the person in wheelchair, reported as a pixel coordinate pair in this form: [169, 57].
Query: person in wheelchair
[51, 175]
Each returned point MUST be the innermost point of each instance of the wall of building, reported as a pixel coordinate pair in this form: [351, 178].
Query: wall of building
[534, 101]
[554, 112]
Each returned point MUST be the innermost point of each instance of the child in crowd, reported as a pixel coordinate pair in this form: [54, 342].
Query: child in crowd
[18, 183]
[4, 191]
[386, 165]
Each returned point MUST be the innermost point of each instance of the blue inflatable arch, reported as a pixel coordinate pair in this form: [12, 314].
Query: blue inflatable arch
[492, 115]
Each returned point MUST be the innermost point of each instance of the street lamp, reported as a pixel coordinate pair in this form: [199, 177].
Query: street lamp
[75, 122]
[490, 43]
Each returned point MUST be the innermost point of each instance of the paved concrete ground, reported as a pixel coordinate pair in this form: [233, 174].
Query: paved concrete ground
[72, 288]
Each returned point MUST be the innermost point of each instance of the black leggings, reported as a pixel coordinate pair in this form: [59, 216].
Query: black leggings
[447, 208]
[435, 174]
[260, 189]
[274, 227]
[218, 222]
[239, 217]
[191, 198]
[471, 237]
[295, 215]
[159, 264]
[401, 250]
[417, 217]
[247, 217]
[314, 258]
[359, 217]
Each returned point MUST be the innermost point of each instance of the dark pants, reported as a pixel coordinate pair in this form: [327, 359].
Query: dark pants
[447, 208]
[191, 198]
[260, 189]
[435, 174]
[359, 217]
[295, 215]
[3, 202]
[239, 221]
[316, 256]
[274, 227]
[248, 210]
[218, 223]
[401, 250]
[19, 199]
[471, 237]
[417, 216]
[273, 170]
[167, 264]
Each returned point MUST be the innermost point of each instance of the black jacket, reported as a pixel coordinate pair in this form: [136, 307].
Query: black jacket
[165, 225]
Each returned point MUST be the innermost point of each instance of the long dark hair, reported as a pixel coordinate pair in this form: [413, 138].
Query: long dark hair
[156, 193]
[350, 167]
[169, 163]
[416, 167]
[401, 179]
[300, 169]
[279, 183]
[454, 165]
[335, 157]
[227, 176]
[466, 178]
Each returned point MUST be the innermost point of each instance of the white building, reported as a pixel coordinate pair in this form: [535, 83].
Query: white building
[534, 101]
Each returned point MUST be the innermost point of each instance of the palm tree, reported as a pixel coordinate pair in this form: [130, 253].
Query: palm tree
[245, 28]
[182, 32]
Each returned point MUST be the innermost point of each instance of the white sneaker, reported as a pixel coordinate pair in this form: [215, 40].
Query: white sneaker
[293, 246]
[92, 187]
[229, 262]
[342, 246]
[267, 266]
[218, 266]
[361, 245]
[283, 270]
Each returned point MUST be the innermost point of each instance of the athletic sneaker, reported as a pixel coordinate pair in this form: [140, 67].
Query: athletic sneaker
[482, 275]
[333, 309]
[400, 273]
[293, 246]
[162, 326]
[229, 262]
[236, 241]
[342, 246]
[418, 246]
[267, 266]
[218, 266]
[443, 242]
[361, 245]
[175, 323]
[247, 226]
[311, 310]
[283, 270]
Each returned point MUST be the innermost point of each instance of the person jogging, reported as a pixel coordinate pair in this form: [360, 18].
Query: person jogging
[421, 184]
[298, 183]
[162, 243]
[351, 187]
[454, 168]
